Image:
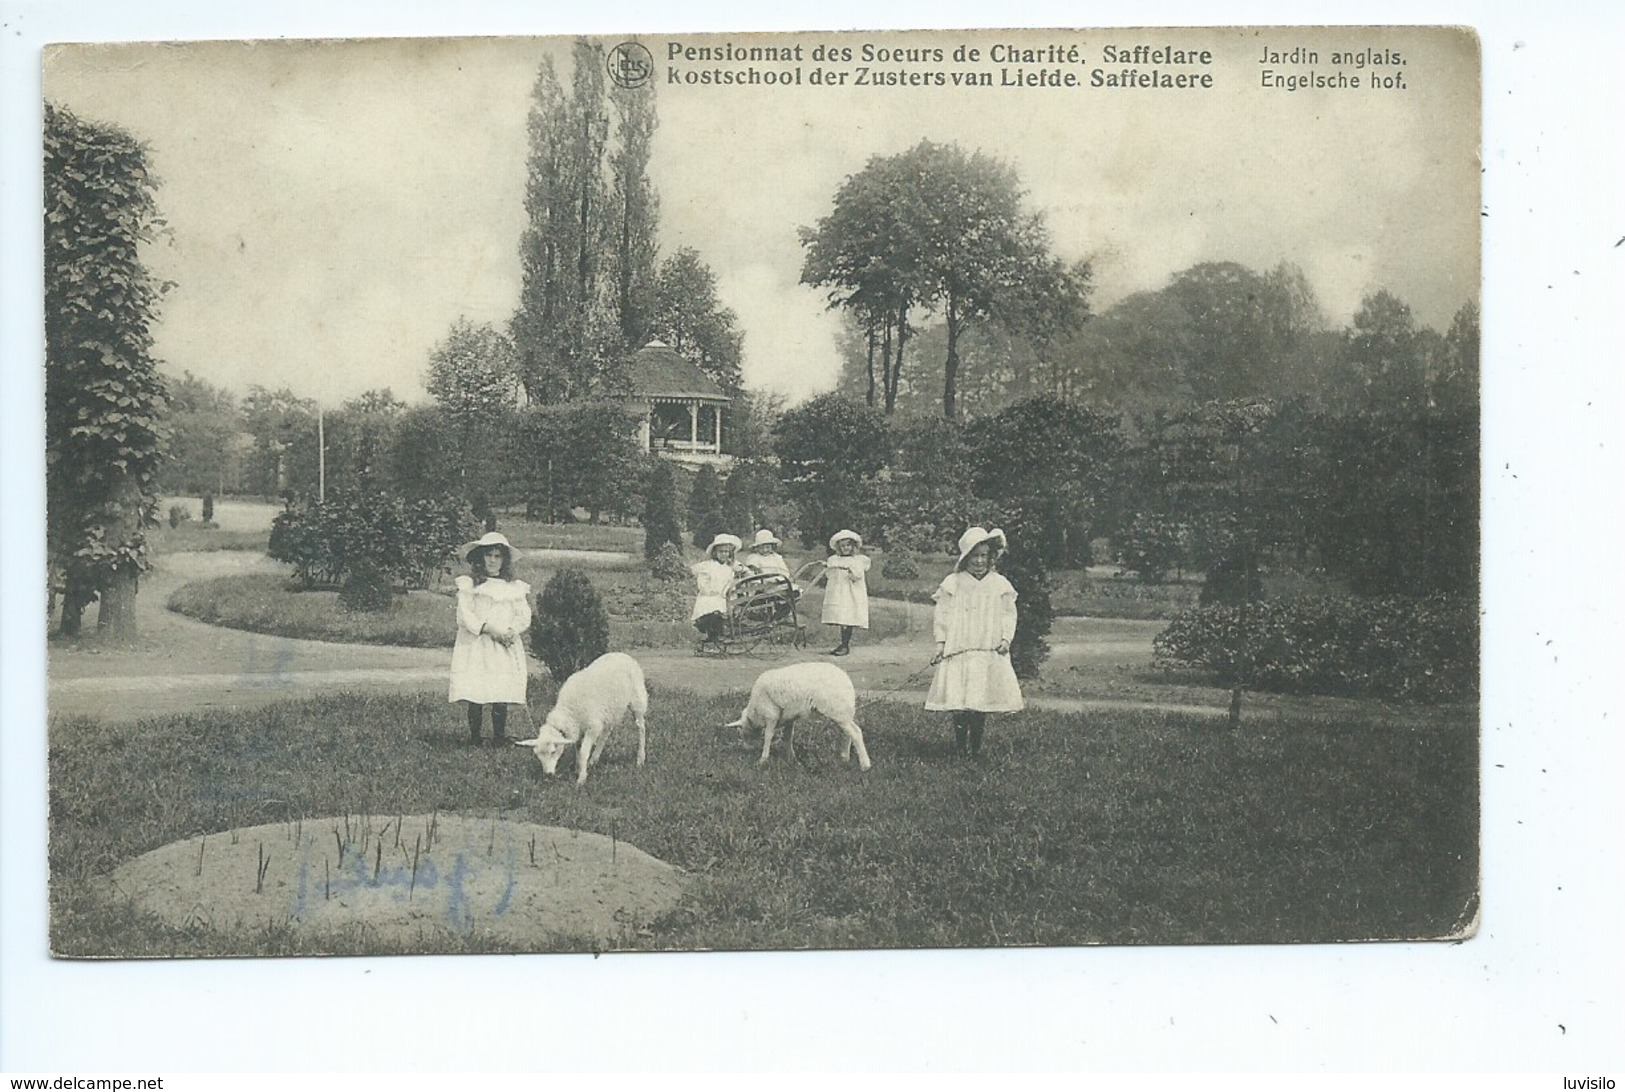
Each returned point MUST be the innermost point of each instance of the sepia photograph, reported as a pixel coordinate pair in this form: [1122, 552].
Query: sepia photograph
[741, 542]
[768, 491]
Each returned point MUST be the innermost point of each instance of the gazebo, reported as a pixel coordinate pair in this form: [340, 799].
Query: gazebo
[682, 406]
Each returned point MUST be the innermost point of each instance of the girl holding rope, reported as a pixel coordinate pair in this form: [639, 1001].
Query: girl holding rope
[974, 623]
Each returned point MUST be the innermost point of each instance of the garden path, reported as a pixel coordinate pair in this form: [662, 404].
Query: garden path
[180, 665]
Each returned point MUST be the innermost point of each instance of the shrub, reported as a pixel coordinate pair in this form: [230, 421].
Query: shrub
[179, 514]
[571, 627]
[1421, 649]
[370, 541]
[705, 508]
[1152, 546]
[660, 525]
[669, 563]
[900, 566]
[904, 544]
[1034, 612]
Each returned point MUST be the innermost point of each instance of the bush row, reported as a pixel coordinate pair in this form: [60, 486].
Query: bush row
[1423, 649]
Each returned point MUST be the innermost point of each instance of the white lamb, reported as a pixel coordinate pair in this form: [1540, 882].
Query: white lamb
[590, 703]
[786, 694]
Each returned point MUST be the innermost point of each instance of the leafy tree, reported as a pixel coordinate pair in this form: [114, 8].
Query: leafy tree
[203, 424]
[472, 376]
[1455, 385]
[360, 438]
[927, 498]
[936, 227]
[474, 380]
[599, 456]
[1130, 358]
[1214, 488]
[866, 252]
[103, 394]
[660, 525]
[1243, 329]
[283, 426]
[1052, 465]
[747, 427]
[570, 628]
[1396, 509]
[1383, 364]
[749, 491]
[689, 318]
[578, 455]
[831, 450]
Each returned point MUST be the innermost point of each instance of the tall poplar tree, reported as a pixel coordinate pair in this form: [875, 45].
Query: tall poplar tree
[559, 329]
[635, 212]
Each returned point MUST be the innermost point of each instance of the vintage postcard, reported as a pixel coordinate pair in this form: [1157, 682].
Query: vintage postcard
[674, 492]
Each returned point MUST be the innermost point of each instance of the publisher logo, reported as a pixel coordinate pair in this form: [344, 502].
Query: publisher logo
[630, 65]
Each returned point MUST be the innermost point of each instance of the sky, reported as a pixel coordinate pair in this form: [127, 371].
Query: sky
[332, 207]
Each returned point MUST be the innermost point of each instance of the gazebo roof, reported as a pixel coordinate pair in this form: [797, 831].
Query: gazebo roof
[657, 371]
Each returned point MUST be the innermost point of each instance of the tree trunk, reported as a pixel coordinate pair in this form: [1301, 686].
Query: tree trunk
[117, 614]
[77, 594]
[897, 363]
[887, 368]
[950, 369]
[871, 339]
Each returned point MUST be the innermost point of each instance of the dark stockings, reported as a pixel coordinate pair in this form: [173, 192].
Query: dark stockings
[968, 726]
[499, 722]
[846, 641]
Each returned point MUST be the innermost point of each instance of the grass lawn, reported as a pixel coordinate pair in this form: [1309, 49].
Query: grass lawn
[1111, 828]
[191, 537]
[535, 535]
[643, 612]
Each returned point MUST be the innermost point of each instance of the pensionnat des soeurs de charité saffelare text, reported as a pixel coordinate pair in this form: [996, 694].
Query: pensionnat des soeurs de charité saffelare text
[1285, 66]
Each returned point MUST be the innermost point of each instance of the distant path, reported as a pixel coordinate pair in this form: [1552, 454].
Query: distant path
[180, 665]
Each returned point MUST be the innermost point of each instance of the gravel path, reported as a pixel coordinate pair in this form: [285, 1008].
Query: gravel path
[180, 665]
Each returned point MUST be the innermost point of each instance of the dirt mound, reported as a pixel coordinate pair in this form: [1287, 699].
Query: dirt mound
[407, 879]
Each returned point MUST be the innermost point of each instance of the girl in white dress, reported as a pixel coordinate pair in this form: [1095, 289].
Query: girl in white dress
[713, 578]
[764, 556]
[488, 659]
[846, 588]
[974, 623]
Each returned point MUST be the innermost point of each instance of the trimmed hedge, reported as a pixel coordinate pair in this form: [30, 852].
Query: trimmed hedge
[371, 540]
[1418, 649]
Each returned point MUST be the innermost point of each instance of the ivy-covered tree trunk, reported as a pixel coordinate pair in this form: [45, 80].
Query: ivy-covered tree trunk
[103, 394]
[117, 613]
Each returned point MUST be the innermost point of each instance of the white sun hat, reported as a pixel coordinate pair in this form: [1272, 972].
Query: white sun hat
[723, 540]
[490, 538]
[764, 537]
[838, 535]
[975, 537]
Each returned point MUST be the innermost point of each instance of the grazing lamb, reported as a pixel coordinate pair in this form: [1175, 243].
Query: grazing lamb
[591, 702]
[786, 694]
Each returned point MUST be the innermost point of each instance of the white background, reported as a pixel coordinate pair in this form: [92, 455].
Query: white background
[1538, 989]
